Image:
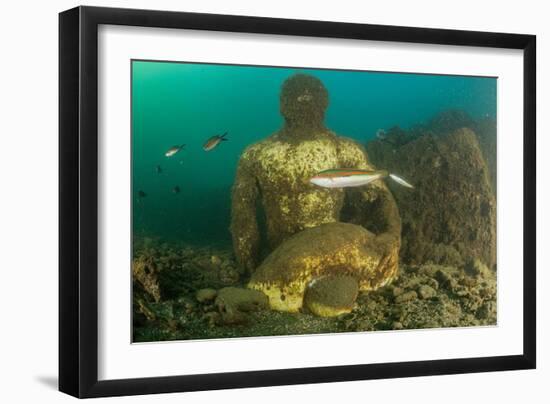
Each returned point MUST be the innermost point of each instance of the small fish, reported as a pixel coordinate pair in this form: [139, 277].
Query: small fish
[176, 190]
[214, 141]
[140, 196]
[173, 150]
[158, 169]
[400, 181]
[349, 177]
[381, 134]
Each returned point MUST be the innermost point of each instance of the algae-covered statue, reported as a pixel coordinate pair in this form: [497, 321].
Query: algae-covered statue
[325, 244]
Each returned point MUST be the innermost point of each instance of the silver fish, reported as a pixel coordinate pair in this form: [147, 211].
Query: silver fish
[400, 181]
[351, 177]
[381, 134]
[173, 150]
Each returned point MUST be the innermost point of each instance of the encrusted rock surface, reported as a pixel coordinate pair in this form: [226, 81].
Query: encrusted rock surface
[451, 215]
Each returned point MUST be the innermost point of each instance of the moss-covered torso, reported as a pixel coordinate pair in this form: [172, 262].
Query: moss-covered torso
[282, 168]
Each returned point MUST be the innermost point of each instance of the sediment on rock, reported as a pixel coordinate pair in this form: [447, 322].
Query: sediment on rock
[450, 217]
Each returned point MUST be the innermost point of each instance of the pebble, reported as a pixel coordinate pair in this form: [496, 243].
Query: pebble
[406, 297]
[212, 317]
[397, 291]
[397, 325]
[215, 260]
[468, 281]
[426, 292]
[486, 310]
[206, 295]
[229, 276]
[446, 280]
[433, 283]
[476, 267]
[462, 293]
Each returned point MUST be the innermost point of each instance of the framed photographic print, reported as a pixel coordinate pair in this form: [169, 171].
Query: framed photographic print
[251, 201]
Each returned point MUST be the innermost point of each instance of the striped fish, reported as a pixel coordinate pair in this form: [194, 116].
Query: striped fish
[214, 141]
[349, 177]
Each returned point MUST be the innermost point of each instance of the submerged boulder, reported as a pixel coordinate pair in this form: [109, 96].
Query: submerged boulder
[451, 215]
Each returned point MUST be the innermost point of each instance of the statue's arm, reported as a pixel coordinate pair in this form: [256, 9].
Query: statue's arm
[244, 225]
[372, 206]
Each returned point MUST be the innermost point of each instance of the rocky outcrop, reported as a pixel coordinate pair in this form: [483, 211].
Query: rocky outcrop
[450, 217]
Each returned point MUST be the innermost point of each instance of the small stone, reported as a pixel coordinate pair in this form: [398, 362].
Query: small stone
[229, 276]
[396, 291]
[213, 318]
[462, 293]
[206, 295]
[426, 292]
[488, 309]
[446, 280]
[215, 260]
[468, 281]
[406, 297]
[397, 325]
[433, 283]
[233, 303]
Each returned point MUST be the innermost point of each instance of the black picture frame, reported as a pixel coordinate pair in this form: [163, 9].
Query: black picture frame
[78, 201]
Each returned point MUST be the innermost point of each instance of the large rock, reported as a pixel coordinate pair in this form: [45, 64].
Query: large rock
[449, 121]
[451, 215]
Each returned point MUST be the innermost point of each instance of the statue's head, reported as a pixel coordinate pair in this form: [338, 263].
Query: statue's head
[304, 100]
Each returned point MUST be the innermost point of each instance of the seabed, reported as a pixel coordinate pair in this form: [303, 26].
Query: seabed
[423, 296]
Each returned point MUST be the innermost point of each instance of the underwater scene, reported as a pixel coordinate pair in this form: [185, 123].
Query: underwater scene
[274, 201]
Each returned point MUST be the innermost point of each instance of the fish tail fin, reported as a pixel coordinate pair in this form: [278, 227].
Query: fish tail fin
[223, 137]
[400, 181]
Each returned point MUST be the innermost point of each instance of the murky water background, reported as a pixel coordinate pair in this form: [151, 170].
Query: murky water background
[182, 103]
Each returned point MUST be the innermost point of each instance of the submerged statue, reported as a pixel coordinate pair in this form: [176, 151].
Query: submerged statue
[325, 244]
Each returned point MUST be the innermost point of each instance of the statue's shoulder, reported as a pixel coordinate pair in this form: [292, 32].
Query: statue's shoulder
[351, 152]
[253, 151]
[347, 142]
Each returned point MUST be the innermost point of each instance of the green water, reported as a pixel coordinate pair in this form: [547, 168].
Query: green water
[182, 103]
